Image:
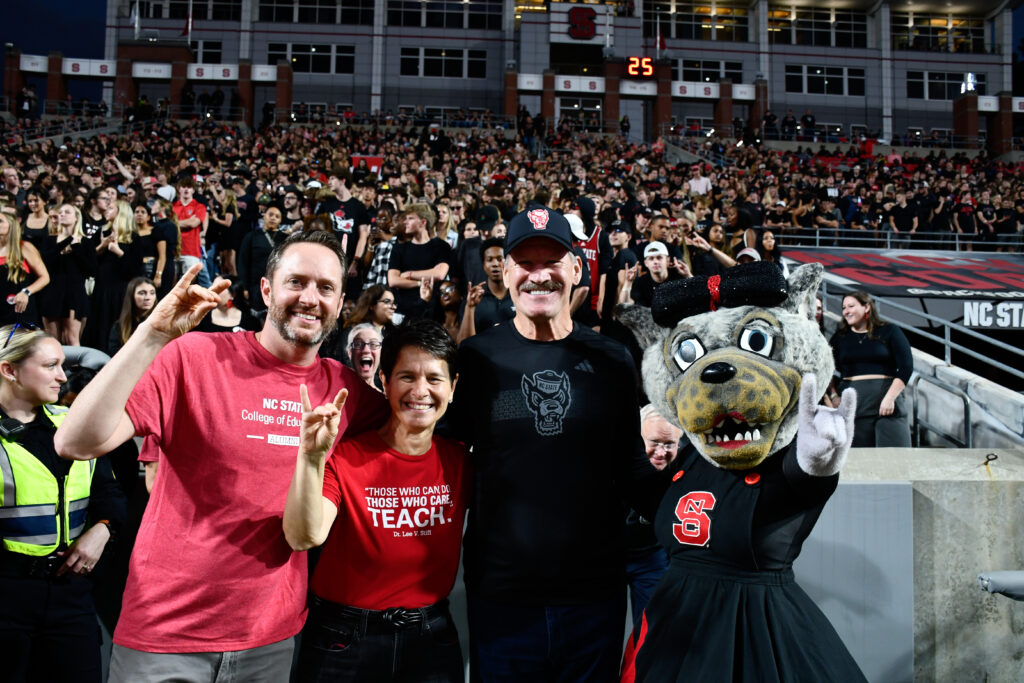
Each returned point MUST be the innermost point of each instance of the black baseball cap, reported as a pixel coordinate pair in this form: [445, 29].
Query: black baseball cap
[538, 221]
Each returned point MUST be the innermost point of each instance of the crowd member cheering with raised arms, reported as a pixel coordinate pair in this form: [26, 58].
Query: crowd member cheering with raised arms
[379, 607]
[211, 572]
[56, 527]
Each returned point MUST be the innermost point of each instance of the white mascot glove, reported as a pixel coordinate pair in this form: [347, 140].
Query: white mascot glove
[824, 434]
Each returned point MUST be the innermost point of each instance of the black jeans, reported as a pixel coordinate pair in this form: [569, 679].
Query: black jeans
[48, 630]
[345, 644]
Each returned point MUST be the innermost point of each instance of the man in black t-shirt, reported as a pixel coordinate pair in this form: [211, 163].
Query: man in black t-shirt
[422, 261]
[550, 411]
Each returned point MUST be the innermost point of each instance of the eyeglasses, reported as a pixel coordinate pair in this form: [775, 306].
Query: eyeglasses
[666, 446]
[447, 290]
[31, 327]
[360, 345]
[454, 207]
[387, 302]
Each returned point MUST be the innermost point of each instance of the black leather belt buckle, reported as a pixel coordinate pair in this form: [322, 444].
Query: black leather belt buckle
[401, 618]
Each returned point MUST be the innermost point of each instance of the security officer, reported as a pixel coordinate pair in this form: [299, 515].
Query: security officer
[56, 518]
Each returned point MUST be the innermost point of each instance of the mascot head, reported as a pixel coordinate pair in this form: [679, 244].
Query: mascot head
[724, 357]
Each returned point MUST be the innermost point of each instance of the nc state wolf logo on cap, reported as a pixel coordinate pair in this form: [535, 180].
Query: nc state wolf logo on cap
[539, 218]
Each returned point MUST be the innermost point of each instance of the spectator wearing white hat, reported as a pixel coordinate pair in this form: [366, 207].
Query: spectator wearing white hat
[639, 289]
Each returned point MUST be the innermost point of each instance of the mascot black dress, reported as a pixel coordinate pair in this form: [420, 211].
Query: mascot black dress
[736, 362]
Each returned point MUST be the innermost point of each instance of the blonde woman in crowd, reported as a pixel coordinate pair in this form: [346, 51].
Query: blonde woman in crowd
[22, 274]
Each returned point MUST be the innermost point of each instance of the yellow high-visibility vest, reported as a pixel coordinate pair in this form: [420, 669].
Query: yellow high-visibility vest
[34, 515]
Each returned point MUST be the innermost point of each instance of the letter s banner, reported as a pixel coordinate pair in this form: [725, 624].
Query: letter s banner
[695, 525]
[581, 23]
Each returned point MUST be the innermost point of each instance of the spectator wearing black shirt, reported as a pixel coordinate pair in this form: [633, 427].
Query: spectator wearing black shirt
[550, 411]
[488, 303]
[985, 218]
[788, 125]
[964, 220]
[639, 289]
[422, 259]
[902, 221]
[807, 126]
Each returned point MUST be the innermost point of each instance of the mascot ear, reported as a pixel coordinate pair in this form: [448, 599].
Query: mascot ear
[803, 287]
[638, 319]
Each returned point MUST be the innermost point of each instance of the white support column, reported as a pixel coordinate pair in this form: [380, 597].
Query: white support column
[110, 47]
[508, 33]
[764, 62]
[245, 29]
[885, 46]
[377, 57]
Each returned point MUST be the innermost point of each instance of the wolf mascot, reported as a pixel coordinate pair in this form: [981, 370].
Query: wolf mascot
[739, 364]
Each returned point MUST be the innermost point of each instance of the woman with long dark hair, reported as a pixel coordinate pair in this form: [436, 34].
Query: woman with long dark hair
[139, 302]
[875, 359]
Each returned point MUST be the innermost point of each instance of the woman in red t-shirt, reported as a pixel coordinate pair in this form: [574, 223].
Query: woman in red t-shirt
[390, 505]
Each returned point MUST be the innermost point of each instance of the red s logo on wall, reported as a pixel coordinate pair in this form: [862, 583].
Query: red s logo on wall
[581, 23]
[695, 525]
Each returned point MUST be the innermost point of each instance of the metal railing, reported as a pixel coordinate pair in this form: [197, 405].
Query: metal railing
[918, 422]
[326, 115]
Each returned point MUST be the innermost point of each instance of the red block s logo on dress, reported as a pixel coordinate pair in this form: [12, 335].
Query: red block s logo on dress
[695, 525]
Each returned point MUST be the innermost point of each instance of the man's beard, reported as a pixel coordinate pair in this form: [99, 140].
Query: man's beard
[279, 317]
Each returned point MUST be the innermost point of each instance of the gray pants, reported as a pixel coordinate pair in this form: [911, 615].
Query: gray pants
[870, 429]
[267, 664]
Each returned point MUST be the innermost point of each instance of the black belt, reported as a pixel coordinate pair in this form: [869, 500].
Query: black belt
[397, 618]
[16, 565]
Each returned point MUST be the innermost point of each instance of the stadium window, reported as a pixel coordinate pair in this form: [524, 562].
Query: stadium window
[357, 12]
[824, 80]
[344, 59]
[311, 59]
[405, 13]
[708, 21]
[813, 27]
[915, 85]
[226, 10]
[794, 78]
[855, 82]
[178, 9]
[939, 85]
[318, 11]
[277, 52]
[780, 26]
[277, 11]
[851, 29]
[485, 14]
[476, 64]
[937, 32]
[815, 80]
[210, 52]
[733, 71]
[410, 62]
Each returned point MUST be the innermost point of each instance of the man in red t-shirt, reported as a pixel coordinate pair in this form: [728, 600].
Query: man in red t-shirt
[192, 222]
[211, 573]
[390, 504]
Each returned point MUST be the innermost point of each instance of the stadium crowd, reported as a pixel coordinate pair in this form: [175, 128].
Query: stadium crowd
[473, 179]
[94, 231]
